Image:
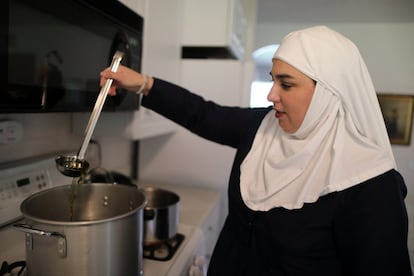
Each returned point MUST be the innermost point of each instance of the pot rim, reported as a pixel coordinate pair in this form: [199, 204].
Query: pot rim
[176, 198]
[27, 216]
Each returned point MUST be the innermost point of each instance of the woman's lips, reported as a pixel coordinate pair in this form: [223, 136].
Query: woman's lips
[279, 114]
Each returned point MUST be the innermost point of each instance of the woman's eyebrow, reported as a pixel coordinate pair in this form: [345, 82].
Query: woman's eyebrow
[284, 76]
[281, 76]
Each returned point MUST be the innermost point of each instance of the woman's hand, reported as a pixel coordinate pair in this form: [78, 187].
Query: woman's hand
[126, 78]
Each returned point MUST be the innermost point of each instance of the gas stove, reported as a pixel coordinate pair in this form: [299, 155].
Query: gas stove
[163, 250]
[15, 268]
[187, 260]
[17, 181]
[12, 251]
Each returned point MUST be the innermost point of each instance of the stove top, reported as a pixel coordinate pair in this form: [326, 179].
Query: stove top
[183, 257]
[15, 268]
[163, 250]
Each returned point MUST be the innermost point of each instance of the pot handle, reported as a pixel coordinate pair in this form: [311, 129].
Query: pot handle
[29, 230]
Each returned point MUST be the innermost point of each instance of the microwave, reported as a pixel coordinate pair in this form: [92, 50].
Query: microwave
[55, 51]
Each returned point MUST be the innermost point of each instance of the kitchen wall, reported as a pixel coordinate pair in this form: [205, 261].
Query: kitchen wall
[56, 133]
[183, 157]
[42, 133]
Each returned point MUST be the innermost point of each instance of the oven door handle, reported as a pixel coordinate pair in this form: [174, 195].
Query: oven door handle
[29, 230]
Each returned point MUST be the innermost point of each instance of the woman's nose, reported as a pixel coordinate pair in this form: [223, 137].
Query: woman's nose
[273, 95]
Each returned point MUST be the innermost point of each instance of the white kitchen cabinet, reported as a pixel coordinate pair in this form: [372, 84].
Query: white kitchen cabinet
[160, 58]
[212, 225]
[215, 24]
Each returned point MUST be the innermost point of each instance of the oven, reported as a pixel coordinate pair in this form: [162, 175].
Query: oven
[184, 254]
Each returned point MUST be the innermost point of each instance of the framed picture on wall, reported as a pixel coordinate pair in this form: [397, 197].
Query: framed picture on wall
[398, 115]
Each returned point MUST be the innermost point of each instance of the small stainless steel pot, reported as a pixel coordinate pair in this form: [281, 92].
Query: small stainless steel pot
[161, 215]
[100, 233]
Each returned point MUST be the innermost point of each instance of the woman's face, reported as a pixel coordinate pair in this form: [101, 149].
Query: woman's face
[291, 95]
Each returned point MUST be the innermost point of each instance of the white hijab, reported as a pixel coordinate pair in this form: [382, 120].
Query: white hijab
[342, 140]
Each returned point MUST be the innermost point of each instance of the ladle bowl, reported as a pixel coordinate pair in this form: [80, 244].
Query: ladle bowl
[71, 166]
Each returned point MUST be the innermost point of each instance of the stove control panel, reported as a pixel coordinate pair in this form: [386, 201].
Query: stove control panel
[19, 181]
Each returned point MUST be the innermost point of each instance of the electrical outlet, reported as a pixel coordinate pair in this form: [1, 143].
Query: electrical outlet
[10, 132]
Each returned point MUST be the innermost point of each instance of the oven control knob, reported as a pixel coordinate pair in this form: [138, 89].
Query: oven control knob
[200, 261]
[196, 271]
[199, 266]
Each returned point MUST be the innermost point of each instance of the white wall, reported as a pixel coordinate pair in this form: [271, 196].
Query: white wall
[184, 157]
[55, 133]
[42, 133]
[385, 47]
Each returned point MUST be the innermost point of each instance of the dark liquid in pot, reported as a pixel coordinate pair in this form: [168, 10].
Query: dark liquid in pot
[76, 182]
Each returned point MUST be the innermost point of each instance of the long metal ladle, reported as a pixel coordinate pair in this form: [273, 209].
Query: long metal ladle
[75, 165]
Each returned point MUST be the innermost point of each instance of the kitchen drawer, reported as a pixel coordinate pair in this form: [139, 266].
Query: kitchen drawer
[211, 229]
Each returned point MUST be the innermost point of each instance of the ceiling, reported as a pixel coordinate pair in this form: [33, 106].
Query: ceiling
[338, 11]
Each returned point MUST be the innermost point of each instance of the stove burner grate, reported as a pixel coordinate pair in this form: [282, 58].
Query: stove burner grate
[8, 268]
[163, 250]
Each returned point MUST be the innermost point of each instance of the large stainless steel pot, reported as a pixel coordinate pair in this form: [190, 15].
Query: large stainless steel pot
[161, 214]
[102, 235]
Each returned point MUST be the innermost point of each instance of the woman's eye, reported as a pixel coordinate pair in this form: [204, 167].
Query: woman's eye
[285, 86]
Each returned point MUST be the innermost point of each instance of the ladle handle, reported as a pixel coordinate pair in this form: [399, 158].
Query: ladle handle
[116, 60]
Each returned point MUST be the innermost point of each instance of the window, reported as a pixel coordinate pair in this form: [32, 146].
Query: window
[258, 93]
[262, 83]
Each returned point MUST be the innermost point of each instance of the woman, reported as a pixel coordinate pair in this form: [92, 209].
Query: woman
[314, 188]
